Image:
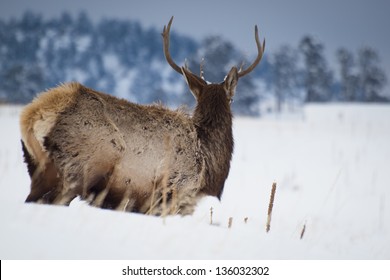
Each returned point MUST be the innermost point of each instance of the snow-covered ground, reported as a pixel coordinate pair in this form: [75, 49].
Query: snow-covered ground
[332, 168]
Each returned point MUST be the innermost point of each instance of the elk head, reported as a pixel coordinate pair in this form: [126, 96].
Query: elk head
[196, 83]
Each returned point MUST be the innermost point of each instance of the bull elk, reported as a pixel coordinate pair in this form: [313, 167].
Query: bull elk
[119, 155]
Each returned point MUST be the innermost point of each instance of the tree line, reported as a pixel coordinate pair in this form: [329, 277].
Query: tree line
[125, 59]
[359, 77]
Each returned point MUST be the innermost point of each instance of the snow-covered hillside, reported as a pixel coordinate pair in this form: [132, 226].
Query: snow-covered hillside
[331, 164]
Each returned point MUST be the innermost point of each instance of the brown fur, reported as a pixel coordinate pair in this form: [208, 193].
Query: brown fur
[120, 155]
[113, 153]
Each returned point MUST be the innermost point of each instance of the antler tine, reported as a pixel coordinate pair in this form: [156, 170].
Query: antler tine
[186, 63]
[168, 57]
[201, 68]
[260, 51]
[241, 66]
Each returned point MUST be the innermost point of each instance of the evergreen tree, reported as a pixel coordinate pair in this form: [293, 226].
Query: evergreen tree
[318, 79]
[83, 24]
[22, 82]
[372, 77]
[348, 81]
[285, 74]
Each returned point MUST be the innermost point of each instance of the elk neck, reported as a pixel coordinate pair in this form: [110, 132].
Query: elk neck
[213, 120]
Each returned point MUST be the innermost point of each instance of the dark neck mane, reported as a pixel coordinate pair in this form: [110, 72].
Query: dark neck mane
[213, 121]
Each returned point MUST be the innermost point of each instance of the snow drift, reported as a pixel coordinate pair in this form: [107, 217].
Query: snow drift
[331, 166]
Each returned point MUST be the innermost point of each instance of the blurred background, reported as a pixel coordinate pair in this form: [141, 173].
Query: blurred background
[316, 51]
[317, 134]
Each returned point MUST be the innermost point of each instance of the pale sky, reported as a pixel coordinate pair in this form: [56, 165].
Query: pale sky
[336, 23]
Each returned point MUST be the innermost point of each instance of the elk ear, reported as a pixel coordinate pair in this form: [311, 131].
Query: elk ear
[194, 82]
[230, 82]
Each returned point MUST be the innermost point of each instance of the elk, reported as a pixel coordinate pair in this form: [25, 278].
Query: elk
[115, 154]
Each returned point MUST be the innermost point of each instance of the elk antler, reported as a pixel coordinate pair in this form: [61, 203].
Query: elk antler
[201, 72]
[168, 57]
[242, 73]
[260, 51]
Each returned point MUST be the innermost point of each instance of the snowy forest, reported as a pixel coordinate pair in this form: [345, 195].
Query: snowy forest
[125, 59]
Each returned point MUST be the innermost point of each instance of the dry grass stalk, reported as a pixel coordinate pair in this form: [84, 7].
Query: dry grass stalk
[164, 183]
[270, 206]
[126, 203]
[303, 230]
[153, 205]
[230, 222]
[175, 202]
[211, 215]
[152, 202]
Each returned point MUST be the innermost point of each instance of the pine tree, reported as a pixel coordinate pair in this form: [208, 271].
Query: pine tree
[285, 74]
[318, 79]
[372, 77]
[349, 82]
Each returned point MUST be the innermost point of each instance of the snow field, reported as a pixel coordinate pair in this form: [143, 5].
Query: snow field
[331, 166]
